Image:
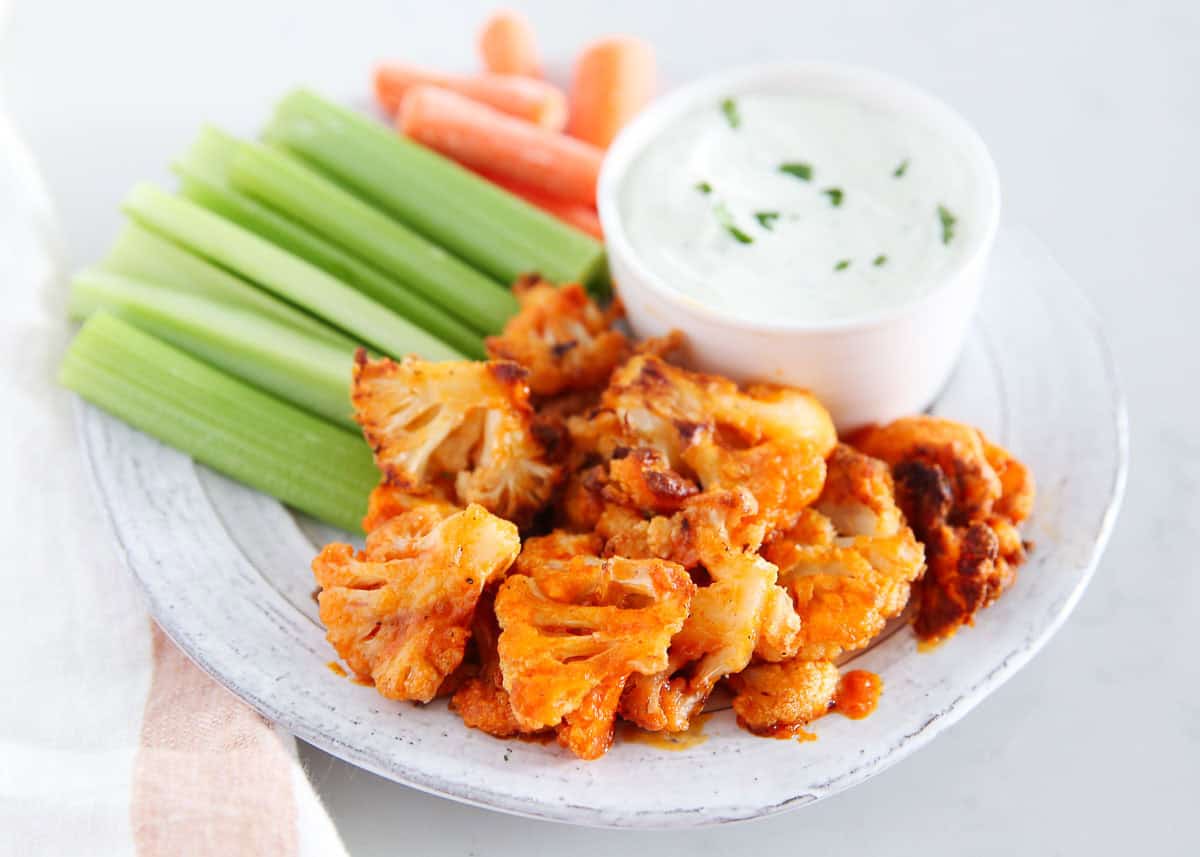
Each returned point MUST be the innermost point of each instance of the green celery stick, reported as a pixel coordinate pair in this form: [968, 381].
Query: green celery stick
[204, 172]
[143, 255]
[488, 227]
[287, 184]
[278, 271]
[220, 421]
[311, 374]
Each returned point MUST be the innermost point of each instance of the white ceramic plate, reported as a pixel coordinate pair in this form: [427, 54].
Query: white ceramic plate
[226, 573]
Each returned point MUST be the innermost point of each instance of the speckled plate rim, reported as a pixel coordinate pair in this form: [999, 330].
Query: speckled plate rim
[92, 423]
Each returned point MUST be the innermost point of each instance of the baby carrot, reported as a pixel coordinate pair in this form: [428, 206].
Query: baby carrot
[582, 217]
[614, 78]
[507, 45]
[481, 138]
[526, 98]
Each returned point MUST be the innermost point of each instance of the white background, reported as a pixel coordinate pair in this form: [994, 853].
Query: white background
[1092, 110]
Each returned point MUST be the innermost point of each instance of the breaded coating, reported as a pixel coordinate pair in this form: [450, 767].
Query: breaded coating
[567, 628]
[463, 428]
[404, 622]
[768, 696]
[565, 341]
[850, 560]
[964, 497]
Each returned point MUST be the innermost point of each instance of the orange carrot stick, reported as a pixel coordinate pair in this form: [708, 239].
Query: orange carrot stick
[481, 138]
[614, 78]
[582, 217]
[524, 97]
[507, 45]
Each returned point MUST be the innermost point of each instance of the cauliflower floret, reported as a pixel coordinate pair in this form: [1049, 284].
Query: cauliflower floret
[707, 523]
[461, 427]
[389, 501]
[770, 696]
[588, 730]
[963, 496]
[684, 429]
[404, 622]
[481, 701]
[849, 561]
[956, 450]
[740, 612]
[667, 405]
[567, 628]
[563, 339]
[409, 519]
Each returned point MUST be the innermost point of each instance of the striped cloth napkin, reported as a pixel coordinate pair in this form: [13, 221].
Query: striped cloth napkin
[111, 741]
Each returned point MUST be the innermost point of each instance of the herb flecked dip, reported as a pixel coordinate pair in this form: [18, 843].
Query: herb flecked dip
[786, 207]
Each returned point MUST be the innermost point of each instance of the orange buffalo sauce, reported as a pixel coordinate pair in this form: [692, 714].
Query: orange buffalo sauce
[782, 731]
[858, 694]
[336, 668]
[670, 741]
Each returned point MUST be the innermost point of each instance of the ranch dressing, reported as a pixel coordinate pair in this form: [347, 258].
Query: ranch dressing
[797, 207]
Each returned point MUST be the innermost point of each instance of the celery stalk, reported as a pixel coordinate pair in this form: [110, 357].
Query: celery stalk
[204, 172]
[220, 421]
[278, 271]
[287, 184]
[488, 227]
[143, 255]
[293, 366]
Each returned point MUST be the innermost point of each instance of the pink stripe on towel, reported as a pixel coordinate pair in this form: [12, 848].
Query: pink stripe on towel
[210, 776]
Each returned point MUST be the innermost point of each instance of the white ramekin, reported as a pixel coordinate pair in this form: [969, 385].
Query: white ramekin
[869, 369]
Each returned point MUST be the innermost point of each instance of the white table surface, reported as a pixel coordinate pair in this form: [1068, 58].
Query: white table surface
[1092, 110]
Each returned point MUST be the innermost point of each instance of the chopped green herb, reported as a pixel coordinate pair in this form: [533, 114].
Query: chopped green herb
[730, 109]
[704, 187]
[835, 195]
[726, 220]
[948, 222]
[880, 261]
[799, 169]
[766, 219]
[842, 265]
[901, 169]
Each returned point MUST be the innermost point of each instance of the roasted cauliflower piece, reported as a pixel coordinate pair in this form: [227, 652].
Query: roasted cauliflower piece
[565, 341]
[389, 501]
[964, 497]
[588, 730]
[849, 561]
[768, 697]
[461, 428]
[661, 434]
[568, 628]
[401, 534]
[481, 701]
[665, 407]
[403, 622]
[740, 612]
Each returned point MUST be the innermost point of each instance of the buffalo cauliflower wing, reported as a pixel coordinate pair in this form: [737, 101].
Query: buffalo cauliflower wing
[964, 497]
[661, 434]
[481, 700]
[739, 613]
[565, 341]
[569, 625]
[850, 560]
[462, 427]
[770, 696]
[400, 614]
